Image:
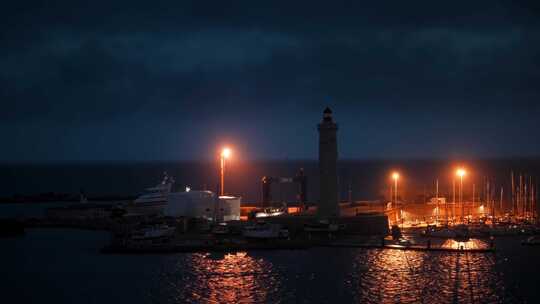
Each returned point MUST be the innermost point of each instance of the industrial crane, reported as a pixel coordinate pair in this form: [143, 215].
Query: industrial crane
[299, 179]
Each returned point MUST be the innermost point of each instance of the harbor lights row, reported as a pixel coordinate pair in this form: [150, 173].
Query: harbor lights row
[460, 172]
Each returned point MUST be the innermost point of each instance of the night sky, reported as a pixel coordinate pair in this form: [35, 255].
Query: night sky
[156, 80]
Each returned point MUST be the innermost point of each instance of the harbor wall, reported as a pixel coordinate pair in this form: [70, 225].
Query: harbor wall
[430, 212]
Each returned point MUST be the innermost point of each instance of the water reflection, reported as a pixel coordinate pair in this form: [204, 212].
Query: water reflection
[396, 276]
[223, 278]
[333, 276]
[469, 244]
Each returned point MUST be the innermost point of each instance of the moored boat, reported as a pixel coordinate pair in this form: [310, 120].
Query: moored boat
[221, 229]
[396, 232]
[532, 241]
[261, 230]
[443, 232]
[322, 226]
[153, 232]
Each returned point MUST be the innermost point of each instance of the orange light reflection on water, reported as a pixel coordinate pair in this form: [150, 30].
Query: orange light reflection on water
[230, 278]
[397, 268]
[469, 244]
[398, 276]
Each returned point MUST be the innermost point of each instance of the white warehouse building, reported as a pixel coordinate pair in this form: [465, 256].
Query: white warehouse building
[203, 204]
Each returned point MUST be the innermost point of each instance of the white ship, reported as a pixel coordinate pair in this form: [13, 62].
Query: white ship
[161, 200]
[154, 200]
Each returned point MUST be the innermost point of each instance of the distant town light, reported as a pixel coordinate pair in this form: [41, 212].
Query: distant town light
[461, 172]
[395, 176]
[188, 188]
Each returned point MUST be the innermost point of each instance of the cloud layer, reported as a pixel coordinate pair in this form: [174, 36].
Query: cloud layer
[145, 80]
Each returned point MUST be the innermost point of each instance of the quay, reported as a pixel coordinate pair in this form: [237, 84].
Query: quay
[410, 247]
[278, 245]
[206, 246]
[210, 243]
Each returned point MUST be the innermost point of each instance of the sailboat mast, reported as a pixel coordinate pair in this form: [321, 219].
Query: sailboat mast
[501, 202]
[531, 192]
[536, 201]
[453, 199]
[527, 190]
[437, 198]
[513, 198]
[473, 193]
[446, 211]
[520, 195]
[492, 198]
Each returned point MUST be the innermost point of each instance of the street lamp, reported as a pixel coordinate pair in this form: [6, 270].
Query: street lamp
[461, 173]
[225, 153]
[395, 177]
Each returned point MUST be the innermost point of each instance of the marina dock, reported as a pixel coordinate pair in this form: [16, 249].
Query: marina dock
[209, 244]
[411, 247]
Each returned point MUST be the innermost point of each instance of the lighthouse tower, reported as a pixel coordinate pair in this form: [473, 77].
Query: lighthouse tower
[328, 154]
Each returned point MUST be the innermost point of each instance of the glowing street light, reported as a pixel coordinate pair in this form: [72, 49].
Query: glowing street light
[225, 153]
[461, 173]
[395, 177]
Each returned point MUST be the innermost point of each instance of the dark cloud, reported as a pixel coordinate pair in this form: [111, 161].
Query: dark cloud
[109, 70]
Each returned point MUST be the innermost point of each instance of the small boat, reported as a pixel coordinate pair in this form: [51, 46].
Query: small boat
[261, 230]
[503, 230]
[221, 229]
[269, 212]
[445, 232]
[396, 232]
[403, 242]
[323, 226]
[532, 241]
[153, 232]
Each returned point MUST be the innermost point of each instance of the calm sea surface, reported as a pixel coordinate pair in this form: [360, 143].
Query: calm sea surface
[64, 266]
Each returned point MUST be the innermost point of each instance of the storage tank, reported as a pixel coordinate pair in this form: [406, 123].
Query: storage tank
[202, 204]
[229, 208]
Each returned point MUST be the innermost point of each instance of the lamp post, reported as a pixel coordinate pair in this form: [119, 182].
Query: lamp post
[437, 202]
[225, 153]
[395, 177]
[461, 173]
[453, 200]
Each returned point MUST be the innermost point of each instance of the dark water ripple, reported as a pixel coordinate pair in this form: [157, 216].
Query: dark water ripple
[389, 276]
[64, 266]
[373, 276]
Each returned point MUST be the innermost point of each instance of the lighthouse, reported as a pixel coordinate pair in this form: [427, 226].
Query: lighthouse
[328, 154]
